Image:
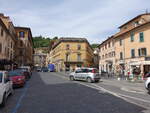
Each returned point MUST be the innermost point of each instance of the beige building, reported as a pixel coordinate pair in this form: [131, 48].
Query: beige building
[69, 53]
[39, 57]
[7, 40]
[131, 46]
[107, 55]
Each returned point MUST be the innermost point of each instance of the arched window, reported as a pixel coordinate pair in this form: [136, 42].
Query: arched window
[21, 34]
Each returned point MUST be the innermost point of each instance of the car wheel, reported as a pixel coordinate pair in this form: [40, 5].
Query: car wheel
[12, 91]
[89, 80]
[148, 87]
[4, 100]
[96, 80]
[71, 78]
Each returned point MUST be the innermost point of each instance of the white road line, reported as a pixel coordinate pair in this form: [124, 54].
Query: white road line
[94, 86]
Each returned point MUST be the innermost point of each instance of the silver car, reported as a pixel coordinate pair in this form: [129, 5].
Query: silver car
[86, 74]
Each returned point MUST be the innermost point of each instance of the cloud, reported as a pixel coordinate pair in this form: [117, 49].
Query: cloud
[93, 19]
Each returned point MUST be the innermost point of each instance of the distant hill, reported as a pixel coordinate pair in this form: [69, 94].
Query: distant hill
[40, 41]
[94, 45]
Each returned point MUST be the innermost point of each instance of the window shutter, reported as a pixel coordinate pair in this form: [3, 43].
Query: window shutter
[141, 37]
[139, 52]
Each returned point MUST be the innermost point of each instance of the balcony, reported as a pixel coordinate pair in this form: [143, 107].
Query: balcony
[73, 62]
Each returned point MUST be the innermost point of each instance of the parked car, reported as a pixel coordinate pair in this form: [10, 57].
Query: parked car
[38, 69]
[25, 72]
[147, 82]
[44, 69]
[86, 74]
[27, 68]
[17, 77]
[5, 87]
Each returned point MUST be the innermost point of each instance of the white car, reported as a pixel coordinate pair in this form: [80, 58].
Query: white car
[5, 87]
[147, 82]
[86, 74]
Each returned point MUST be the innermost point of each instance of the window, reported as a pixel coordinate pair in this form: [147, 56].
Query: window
[21, 52]
[67, 46]
[78, 57]
[79, 47]
[110, 54]
[103, 56]
[120, 42]
[141, 36]
[142, 52]
[21, 43]
[121, 56]
[78, 71]
[99, 57]
[106, 55]
[109, 44]
[1, 76]
[132, 37]
[21, 34]
[132, 53]
[67, 57]
[2, 32]
[105, 46]
[99, 49]
[113, 54]
[0, 47]
[136, 23]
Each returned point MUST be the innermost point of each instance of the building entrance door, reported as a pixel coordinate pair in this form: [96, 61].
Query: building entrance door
[146, 69]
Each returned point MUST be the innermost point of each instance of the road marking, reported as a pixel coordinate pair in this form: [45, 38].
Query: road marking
[20, 99]
[110, 92]
[121, 94]
[132, 91]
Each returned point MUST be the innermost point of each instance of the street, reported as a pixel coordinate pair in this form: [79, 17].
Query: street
[54, 93]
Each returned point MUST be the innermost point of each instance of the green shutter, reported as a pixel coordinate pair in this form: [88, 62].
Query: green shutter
[145, 52]
[139, 52]
[141, 37]
[132, 53]
[132, 37]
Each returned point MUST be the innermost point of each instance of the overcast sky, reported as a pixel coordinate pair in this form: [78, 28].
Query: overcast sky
[95, 20]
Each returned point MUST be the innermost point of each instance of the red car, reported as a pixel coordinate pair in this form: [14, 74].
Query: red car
[17, 78]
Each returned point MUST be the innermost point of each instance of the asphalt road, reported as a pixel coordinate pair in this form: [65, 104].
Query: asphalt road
[52, 93]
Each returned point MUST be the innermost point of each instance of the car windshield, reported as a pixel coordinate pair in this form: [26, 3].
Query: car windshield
[23, 69]
[45, 68]
[1, 76]
[95, 70]
[14, 73]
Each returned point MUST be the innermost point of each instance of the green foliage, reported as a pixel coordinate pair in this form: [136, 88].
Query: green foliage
[40, 41]
[94, 45]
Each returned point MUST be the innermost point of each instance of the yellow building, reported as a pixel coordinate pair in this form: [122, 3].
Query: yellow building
[131, 47]
[69, 53]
